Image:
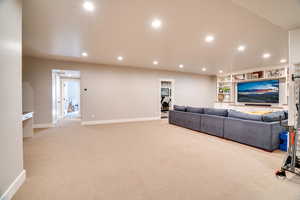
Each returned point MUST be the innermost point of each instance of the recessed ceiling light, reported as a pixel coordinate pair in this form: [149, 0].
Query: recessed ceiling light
[89, 6]
[220, 71]
[84, 54]
[155, 62]
[156, 23]
[283, 60]
[241, 48]
[266, 55]
[209, 38]
[120, 58]
[204, 69]
[181, 66]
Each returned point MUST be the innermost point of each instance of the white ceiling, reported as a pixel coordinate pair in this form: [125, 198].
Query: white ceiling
[284, 13]
[62, 29]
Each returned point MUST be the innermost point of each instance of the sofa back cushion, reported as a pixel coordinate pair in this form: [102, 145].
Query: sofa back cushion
[216, 111]
[274, 116]
[194, 110]
[246, 116]
[180, 108]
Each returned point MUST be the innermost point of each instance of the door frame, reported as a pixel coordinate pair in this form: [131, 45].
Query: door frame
[172, 93]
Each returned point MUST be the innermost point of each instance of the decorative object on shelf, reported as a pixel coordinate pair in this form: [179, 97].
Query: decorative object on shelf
[227, 98]
[221, 90]
[224, 78]
[276, 73]
[255, 75]
[220, 97]
[226, 90]
[239, 77]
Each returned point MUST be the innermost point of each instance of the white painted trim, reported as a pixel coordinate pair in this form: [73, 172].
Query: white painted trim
[50, 125]
[14, 187]
[86, 123]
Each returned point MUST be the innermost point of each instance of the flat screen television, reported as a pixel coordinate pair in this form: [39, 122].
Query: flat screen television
[258, 92]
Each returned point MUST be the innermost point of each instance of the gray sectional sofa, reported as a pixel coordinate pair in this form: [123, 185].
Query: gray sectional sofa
[260, 131]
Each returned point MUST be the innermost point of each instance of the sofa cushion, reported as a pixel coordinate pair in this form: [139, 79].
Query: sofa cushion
[242, 115]
[274, 116]
[216, 111]
[194, 110]
[180, 108]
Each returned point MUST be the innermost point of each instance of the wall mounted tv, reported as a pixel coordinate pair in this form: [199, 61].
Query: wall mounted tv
[258, 92]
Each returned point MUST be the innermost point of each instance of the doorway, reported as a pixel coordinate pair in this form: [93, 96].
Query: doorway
[166, 97]
[66, 95]
[70, 98]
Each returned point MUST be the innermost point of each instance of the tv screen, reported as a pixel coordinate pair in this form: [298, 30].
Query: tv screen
[258, 92]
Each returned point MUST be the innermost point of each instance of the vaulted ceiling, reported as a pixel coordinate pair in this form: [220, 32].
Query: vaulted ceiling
[285, 14]
[63, 30]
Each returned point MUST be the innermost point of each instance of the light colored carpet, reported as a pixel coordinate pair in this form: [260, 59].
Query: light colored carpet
[148, 161]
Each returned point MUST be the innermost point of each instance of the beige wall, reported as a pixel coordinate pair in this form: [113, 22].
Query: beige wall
[11, 146]
[114, 92]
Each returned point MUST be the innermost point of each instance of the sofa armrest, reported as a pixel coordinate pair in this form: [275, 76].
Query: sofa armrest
[276, 129]
[177, 117]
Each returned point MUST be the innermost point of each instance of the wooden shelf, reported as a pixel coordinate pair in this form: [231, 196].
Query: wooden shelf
[224, 102]
[224, 81]
[260, 79]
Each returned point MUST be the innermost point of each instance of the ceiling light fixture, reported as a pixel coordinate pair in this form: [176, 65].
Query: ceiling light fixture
[84, 54]
[120, 58]
[181, 66]
[241, 48]
[266, 55]
[283, 60]
[209, 38]
[220, 71]
[88, 6]
[155, 62]
[204, 69]
[156, 23]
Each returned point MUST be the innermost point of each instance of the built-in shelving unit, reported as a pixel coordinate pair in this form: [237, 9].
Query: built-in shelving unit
[226, 84]
[224, 88]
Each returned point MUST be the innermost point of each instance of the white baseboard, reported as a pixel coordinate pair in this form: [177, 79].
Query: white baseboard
[86, 123]
[14, 187]
[50, 125]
